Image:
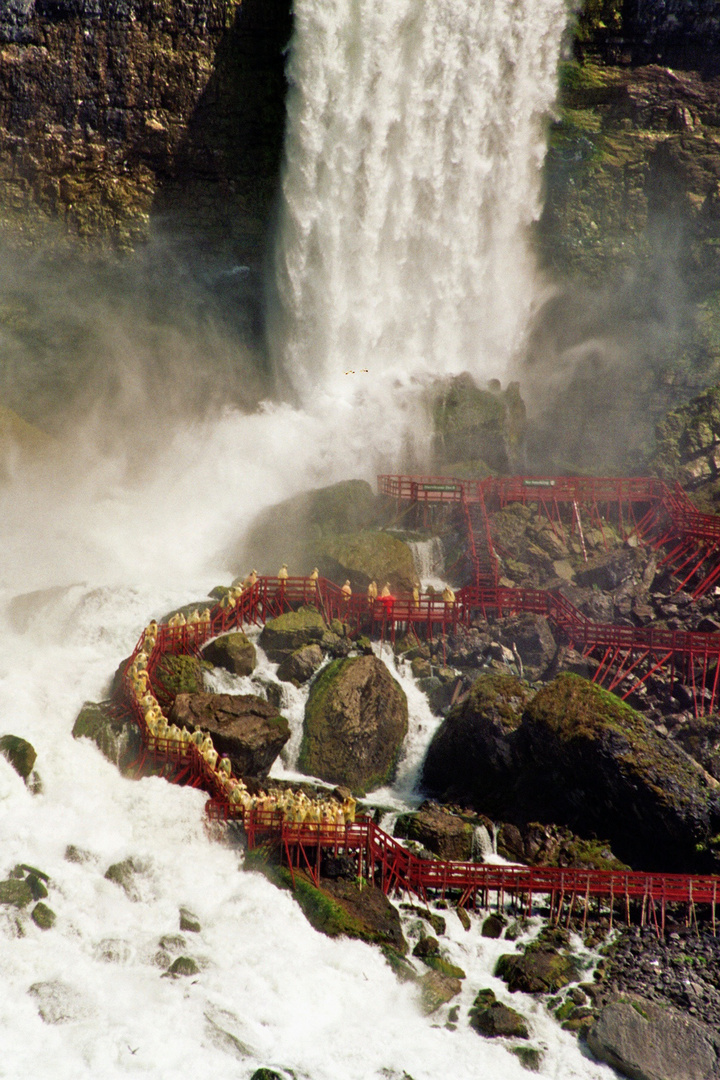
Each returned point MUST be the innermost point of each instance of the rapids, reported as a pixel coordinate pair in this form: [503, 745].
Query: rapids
[413, 149]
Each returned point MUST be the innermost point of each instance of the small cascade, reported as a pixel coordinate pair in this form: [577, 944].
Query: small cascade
[483, 845]
[429, 558]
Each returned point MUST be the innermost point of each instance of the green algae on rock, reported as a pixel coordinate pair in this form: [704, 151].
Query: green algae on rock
[118, 740]
[285, 634]
[234, 652]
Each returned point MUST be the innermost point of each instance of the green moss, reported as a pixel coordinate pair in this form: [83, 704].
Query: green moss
[529, 1057]
[444, 967]
[181, 674]
[503, 695]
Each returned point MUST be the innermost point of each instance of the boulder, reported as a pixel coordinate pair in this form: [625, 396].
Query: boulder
[491, 1018]
[583, 760]
[441, 832]
[287, 633]
[532, 637]
[592, 763]
[471, 755]
[649, 1042]
[20, 753]
[540, 969]
[118, 740]
[356, 718]
[301, 665]
[437, 989]
[474, 424]
[179, 675]
[291, 531]
[368, 556]
[43, 916]
[15, 892]
[233, 652]
[246, 728]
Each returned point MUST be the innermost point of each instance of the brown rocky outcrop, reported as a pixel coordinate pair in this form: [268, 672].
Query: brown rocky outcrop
[246, 728]
[110, 109]
[355, 721]
[438, 830]
[647, 1041]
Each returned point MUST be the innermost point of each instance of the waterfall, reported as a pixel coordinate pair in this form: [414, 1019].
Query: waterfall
[482, 843]
[412, 172]
[428, 556]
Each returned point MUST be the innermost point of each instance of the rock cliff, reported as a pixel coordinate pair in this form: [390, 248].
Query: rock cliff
[115, 114]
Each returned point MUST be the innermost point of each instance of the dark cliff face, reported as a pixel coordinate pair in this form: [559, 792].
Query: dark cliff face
[680, 33]
[116, 112]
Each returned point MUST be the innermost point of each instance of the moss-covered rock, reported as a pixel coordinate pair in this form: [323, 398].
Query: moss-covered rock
[356, 718]
[362, 557]
[540, 969]
[20, 753]
[117, 739]
[688, 441]
[489, 1017]
[179, 675]
[293, 531]
[338, 908]
[125, 875]
[16, 892]
[234, 652]
[43, 916]
[282, 636]
[183, 965]
[637, 788]
[471, 752]
[302, 664]
[485, 426]
[436, 990]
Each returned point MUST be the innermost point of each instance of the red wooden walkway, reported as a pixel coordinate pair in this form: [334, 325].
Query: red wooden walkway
[645, 507]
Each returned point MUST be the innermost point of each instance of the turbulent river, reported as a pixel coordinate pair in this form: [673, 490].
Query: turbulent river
[413, 154]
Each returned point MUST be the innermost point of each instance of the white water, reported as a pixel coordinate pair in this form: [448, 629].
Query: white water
[406, 269]
[415, 139]
[428, 556]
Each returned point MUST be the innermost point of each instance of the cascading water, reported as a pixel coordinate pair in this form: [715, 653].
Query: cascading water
[415, 139]
[412, 155]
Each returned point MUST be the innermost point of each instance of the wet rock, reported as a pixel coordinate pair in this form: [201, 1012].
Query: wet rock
[284, 635]
[15, 892]
[118, 740]
[179, 675]
[43, 916]
[540, 969]
[291, 531]
[484, 427]
[245, 727]
[471, 754]
[491, 1018]
[442, 965]
[441, 832]
[597, 766]
[647, 1042]
[183, 965]
[427, 946]
[301, 665]
[437, 989]
[365, 556]
[493, 926]
[189, 921]
[463, 917]
[233, 652]
[20, 753]
[356, 719]
[535, 643]
[437, 922]
[124, 874]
